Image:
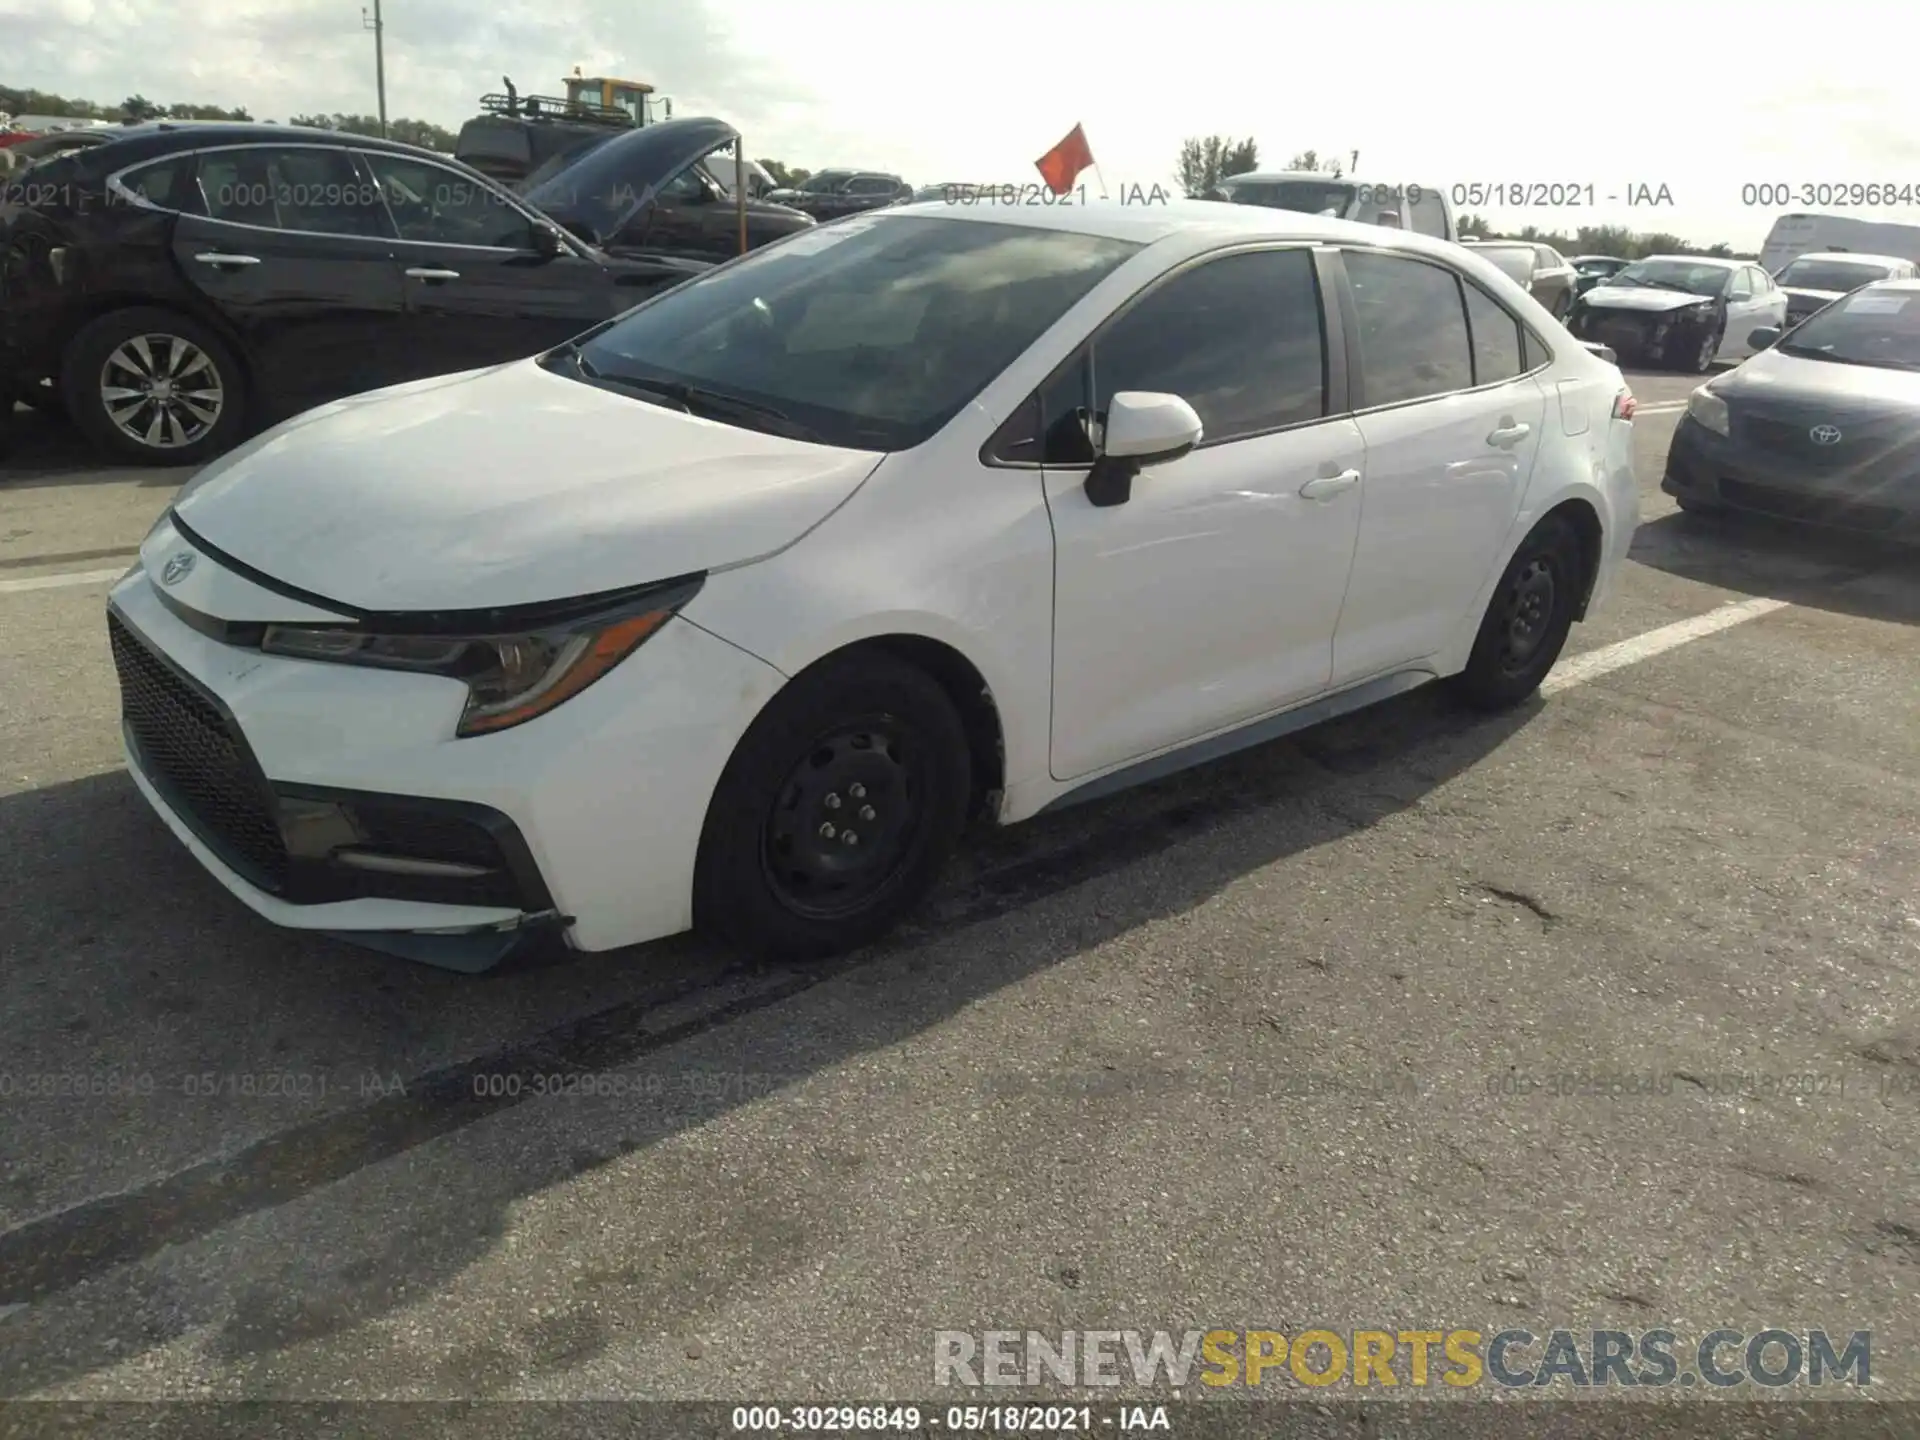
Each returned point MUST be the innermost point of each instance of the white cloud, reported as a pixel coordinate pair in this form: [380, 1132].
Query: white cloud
[1689, 96]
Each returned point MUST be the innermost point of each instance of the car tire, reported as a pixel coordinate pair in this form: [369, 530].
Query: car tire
[1527, 620]
[1702, 362]
[181, 352]
[776, 876]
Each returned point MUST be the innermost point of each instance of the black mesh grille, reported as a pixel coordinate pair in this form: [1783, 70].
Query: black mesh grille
[201, 764]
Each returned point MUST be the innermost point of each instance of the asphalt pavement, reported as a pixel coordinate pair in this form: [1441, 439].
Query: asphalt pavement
[1272, 1045]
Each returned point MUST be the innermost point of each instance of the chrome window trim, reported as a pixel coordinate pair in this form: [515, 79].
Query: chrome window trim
[116, 185]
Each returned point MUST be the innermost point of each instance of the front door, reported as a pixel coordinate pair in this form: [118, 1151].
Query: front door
[294, 251]
[1211, 595]
[1448, 458]
[478, 290]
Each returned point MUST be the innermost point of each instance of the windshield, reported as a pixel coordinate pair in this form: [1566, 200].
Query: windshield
[1869, 327]
[1597, 267]
[823, 183]
[1675, 275]
[1841, 275]
[871, 333]
[1309, 197]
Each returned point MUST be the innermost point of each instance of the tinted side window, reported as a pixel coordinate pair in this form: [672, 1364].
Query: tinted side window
[1413, 328]
[238, 186]
[167, 184]
[1238, 338]
[444, 207]
[1429, 212]
[323, 190]
[1496, 339]
[1534, 351]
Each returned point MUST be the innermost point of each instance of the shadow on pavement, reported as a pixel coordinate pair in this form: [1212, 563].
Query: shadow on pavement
[40, 449]
[252, 998]
[1818, 570]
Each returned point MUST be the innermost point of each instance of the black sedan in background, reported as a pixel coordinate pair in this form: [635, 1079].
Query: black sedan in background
[1822, 427]
[835, 194]
[184, 285]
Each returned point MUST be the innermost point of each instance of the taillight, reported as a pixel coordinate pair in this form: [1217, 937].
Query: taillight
[1624, 405]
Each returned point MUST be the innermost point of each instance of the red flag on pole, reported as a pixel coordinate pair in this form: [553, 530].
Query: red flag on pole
[1062, 165]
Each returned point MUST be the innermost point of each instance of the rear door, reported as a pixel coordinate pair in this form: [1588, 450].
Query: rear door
[478, 291]
[291, 246]
[1452, 425]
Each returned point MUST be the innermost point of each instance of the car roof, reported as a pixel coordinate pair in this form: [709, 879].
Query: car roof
[1851, 255]
[1193, 225]
[139, 142]
[1610, 259]
[1719, 260]
[1324, 176]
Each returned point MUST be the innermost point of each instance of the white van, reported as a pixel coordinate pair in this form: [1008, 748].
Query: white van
[1796, 235]
[1423, 209]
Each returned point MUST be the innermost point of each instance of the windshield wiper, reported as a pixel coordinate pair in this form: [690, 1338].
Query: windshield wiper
[713, 405]
[575, 356]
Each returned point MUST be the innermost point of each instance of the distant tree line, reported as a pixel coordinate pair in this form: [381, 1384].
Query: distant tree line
[134, 107]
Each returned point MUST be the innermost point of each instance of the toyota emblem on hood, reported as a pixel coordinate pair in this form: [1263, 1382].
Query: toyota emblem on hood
[1824, 435]
[177, 568]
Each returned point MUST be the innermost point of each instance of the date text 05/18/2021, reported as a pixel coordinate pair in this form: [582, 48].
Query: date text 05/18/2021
[1019, 195]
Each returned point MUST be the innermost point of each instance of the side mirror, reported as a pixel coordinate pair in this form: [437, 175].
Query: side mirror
[1142, 428]
[1765, 337]
[547, 242]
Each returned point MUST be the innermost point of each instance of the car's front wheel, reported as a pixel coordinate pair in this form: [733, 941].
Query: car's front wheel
[154, 387]
[1527, 620]
[836, 812]
[1701, 361]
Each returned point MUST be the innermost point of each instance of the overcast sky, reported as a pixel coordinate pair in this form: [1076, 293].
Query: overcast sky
[1701, 98]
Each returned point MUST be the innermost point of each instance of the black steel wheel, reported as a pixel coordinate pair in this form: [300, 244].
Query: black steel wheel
[1527, 619]
[837, 811]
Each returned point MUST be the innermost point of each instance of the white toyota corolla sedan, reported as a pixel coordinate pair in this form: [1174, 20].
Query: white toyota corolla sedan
[735, 611]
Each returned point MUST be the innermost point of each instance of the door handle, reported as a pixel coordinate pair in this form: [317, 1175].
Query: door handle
[1327, 486]
[426, 274]
[1509, 434]
[215, 257]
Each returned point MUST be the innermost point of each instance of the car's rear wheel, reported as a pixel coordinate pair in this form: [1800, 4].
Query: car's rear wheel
[154, 387]
[1527, 620]
[836, 812]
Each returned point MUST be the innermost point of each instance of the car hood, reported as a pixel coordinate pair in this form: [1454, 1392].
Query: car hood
[507, 486]
[606, 186]
[1634, 297]
[1787, 380]
[1799, 292]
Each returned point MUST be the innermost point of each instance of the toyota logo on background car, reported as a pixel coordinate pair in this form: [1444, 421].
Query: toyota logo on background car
[1824, 435]
[177, 568]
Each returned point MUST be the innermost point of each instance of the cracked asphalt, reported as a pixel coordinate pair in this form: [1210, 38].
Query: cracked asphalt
[1600, 1015]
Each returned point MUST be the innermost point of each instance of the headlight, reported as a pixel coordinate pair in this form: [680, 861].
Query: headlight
[512, 676]
[1708, 409]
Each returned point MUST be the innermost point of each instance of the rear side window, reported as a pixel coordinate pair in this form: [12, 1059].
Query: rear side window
[166, 184]
[1413, 328]
[1496, 339]
[312, 189]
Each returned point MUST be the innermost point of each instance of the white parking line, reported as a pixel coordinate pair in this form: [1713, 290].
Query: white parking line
[1618, 656]
[56, 582]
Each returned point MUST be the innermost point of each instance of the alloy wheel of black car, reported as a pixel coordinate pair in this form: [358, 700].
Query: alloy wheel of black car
[154, 387]
[836, 812]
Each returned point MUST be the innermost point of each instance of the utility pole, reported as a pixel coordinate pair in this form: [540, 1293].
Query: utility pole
[372, 22]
